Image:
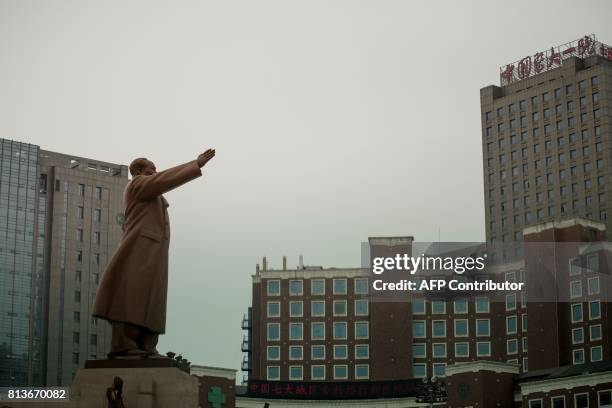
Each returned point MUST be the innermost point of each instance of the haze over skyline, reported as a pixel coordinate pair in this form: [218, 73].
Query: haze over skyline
[332, 121]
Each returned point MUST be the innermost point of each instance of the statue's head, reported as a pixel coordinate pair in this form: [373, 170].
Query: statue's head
[118, 383]
[142, 166]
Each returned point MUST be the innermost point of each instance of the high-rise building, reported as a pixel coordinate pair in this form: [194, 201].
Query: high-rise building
[546, 140]
[60, 220]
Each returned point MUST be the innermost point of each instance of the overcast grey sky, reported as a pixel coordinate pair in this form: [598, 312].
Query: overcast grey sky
[333, 121]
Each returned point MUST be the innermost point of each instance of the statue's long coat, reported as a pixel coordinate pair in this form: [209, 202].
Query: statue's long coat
[134, 285]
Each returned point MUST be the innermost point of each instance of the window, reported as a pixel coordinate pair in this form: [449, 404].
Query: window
[605, 398]
[273, 352]
[593, 284]
[419, 370]
[576, 312]
[317, 331]
[512, 346]
[418, 306]
[340, 330]
[462, 349]
[97, 215]
[362, 371]
[511, 325]
[577, 335]
[482, 305]
[339, 307]
[594, 310]
[77, 317]
[273, 331]
[75, 358]
[362, 351]
[483, 327]
[296, 331]
[483, 349]
[581, 400]
[438, 350]
[76, 337]
[79, 235]
[296, 287]
[575, 289]
[317, 287]
[296, 308]
[557, 402]
[273, 373]
[595, 332]
[418, 328]
[525, 344]
[461, 305]
[596, 354]
[361, 286]
[419, 350]
[77, 296]
[80, 212]
[340, 352]
[439, 369]
[511, 301]
[438, 306]
[81, 189]
[570, 106]
[340, 372]
[339, 286]
[296, 353]
[592, 263]
[535, 403]
[438, 328]
[362, 330]
[461, 328]
[317, 308]
[96, 237]
[273, 288]
[317, 372]
[317, 352]
[361, 307]
[98, 193]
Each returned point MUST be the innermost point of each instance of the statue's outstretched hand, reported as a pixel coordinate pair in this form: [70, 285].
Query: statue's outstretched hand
[205, 157]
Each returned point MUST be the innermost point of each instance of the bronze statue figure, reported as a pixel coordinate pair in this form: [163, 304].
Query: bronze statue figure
[133, 289]
[114, 394]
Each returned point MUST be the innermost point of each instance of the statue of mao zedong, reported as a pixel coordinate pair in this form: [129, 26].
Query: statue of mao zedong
[134, 287]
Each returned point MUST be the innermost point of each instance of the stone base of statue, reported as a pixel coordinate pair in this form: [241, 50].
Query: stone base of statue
[145, 383]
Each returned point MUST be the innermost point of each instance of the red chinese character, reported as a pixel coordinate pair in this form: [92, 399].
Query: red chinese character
[289, 389]
[265, 388]
[397, 388]
[278, 390]
[586, 46]
[300, 390]
[554, 58]
[325, 390]
[524, 68]
[507, 74]
[312, 390]
[254, 387]
[538, 62]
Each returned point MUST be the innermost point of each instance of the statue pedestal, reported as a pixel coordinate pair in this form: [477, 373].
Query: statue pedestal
[147, 383]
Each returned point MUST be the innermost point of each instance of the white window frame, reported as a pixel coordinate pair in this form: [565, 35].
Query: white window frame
[312, 337]
[345, 331]
[508, 342]
[339, 377]
[574, 356]
[557, 397]
[467, 306]
[508, 318]
[302, 352]
[367, 347]
[433, 335]
[433, 369]
[268, 282]
[467, 328]
[511, 295]
[488, 305]
[424, 349]
[361, 377]
[593, 279]
[268, 373]
[489, 327]
[301, 377]
[312, 303]
[268, 353]
[572, 312]
[365, 301]
[268, 332]
[600, 352]
[291, 311]
[478, 351]
[540, 400]
[591, 333]
[434, 301]
[468, 349]
[579, 394]
[422, 300]
[525, 364]
[355, 282]
[346, 354]
[311, 286]
[420, 365]
[524, 344]
[578, 329]
[591, 317]
[301, 293]
[598, 398]
[312, 368]
[291, 325]
[578, 292]
[367, 326]
[433, 348]
[334, 286]
[312, 352]
[340, 301]
[578, 266]
[524, 321]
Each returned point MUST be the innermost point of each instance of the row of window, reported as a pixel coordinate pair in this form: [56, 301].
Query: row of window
[98, 191]
[97, 213]
[596, 355]
[604, 400]
[317, 331]
[317, 308]
[539, 181]
[594, 334]
[577, 311]
[461, 327]
[317, 372]
[592, 287]
[317, 352]
[317, 287]
[460, 306]
[76, 338]
[462, 349]
[545, 97]
[96, 236]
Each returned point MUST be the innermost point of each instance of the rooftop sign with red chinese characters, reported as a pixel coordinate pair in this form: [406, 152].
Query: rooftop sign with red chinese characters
[553, 58]
[333, 390]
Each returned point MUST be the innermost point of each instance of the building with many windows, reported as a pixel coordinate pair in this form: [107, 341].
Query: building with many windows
[60, 220]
